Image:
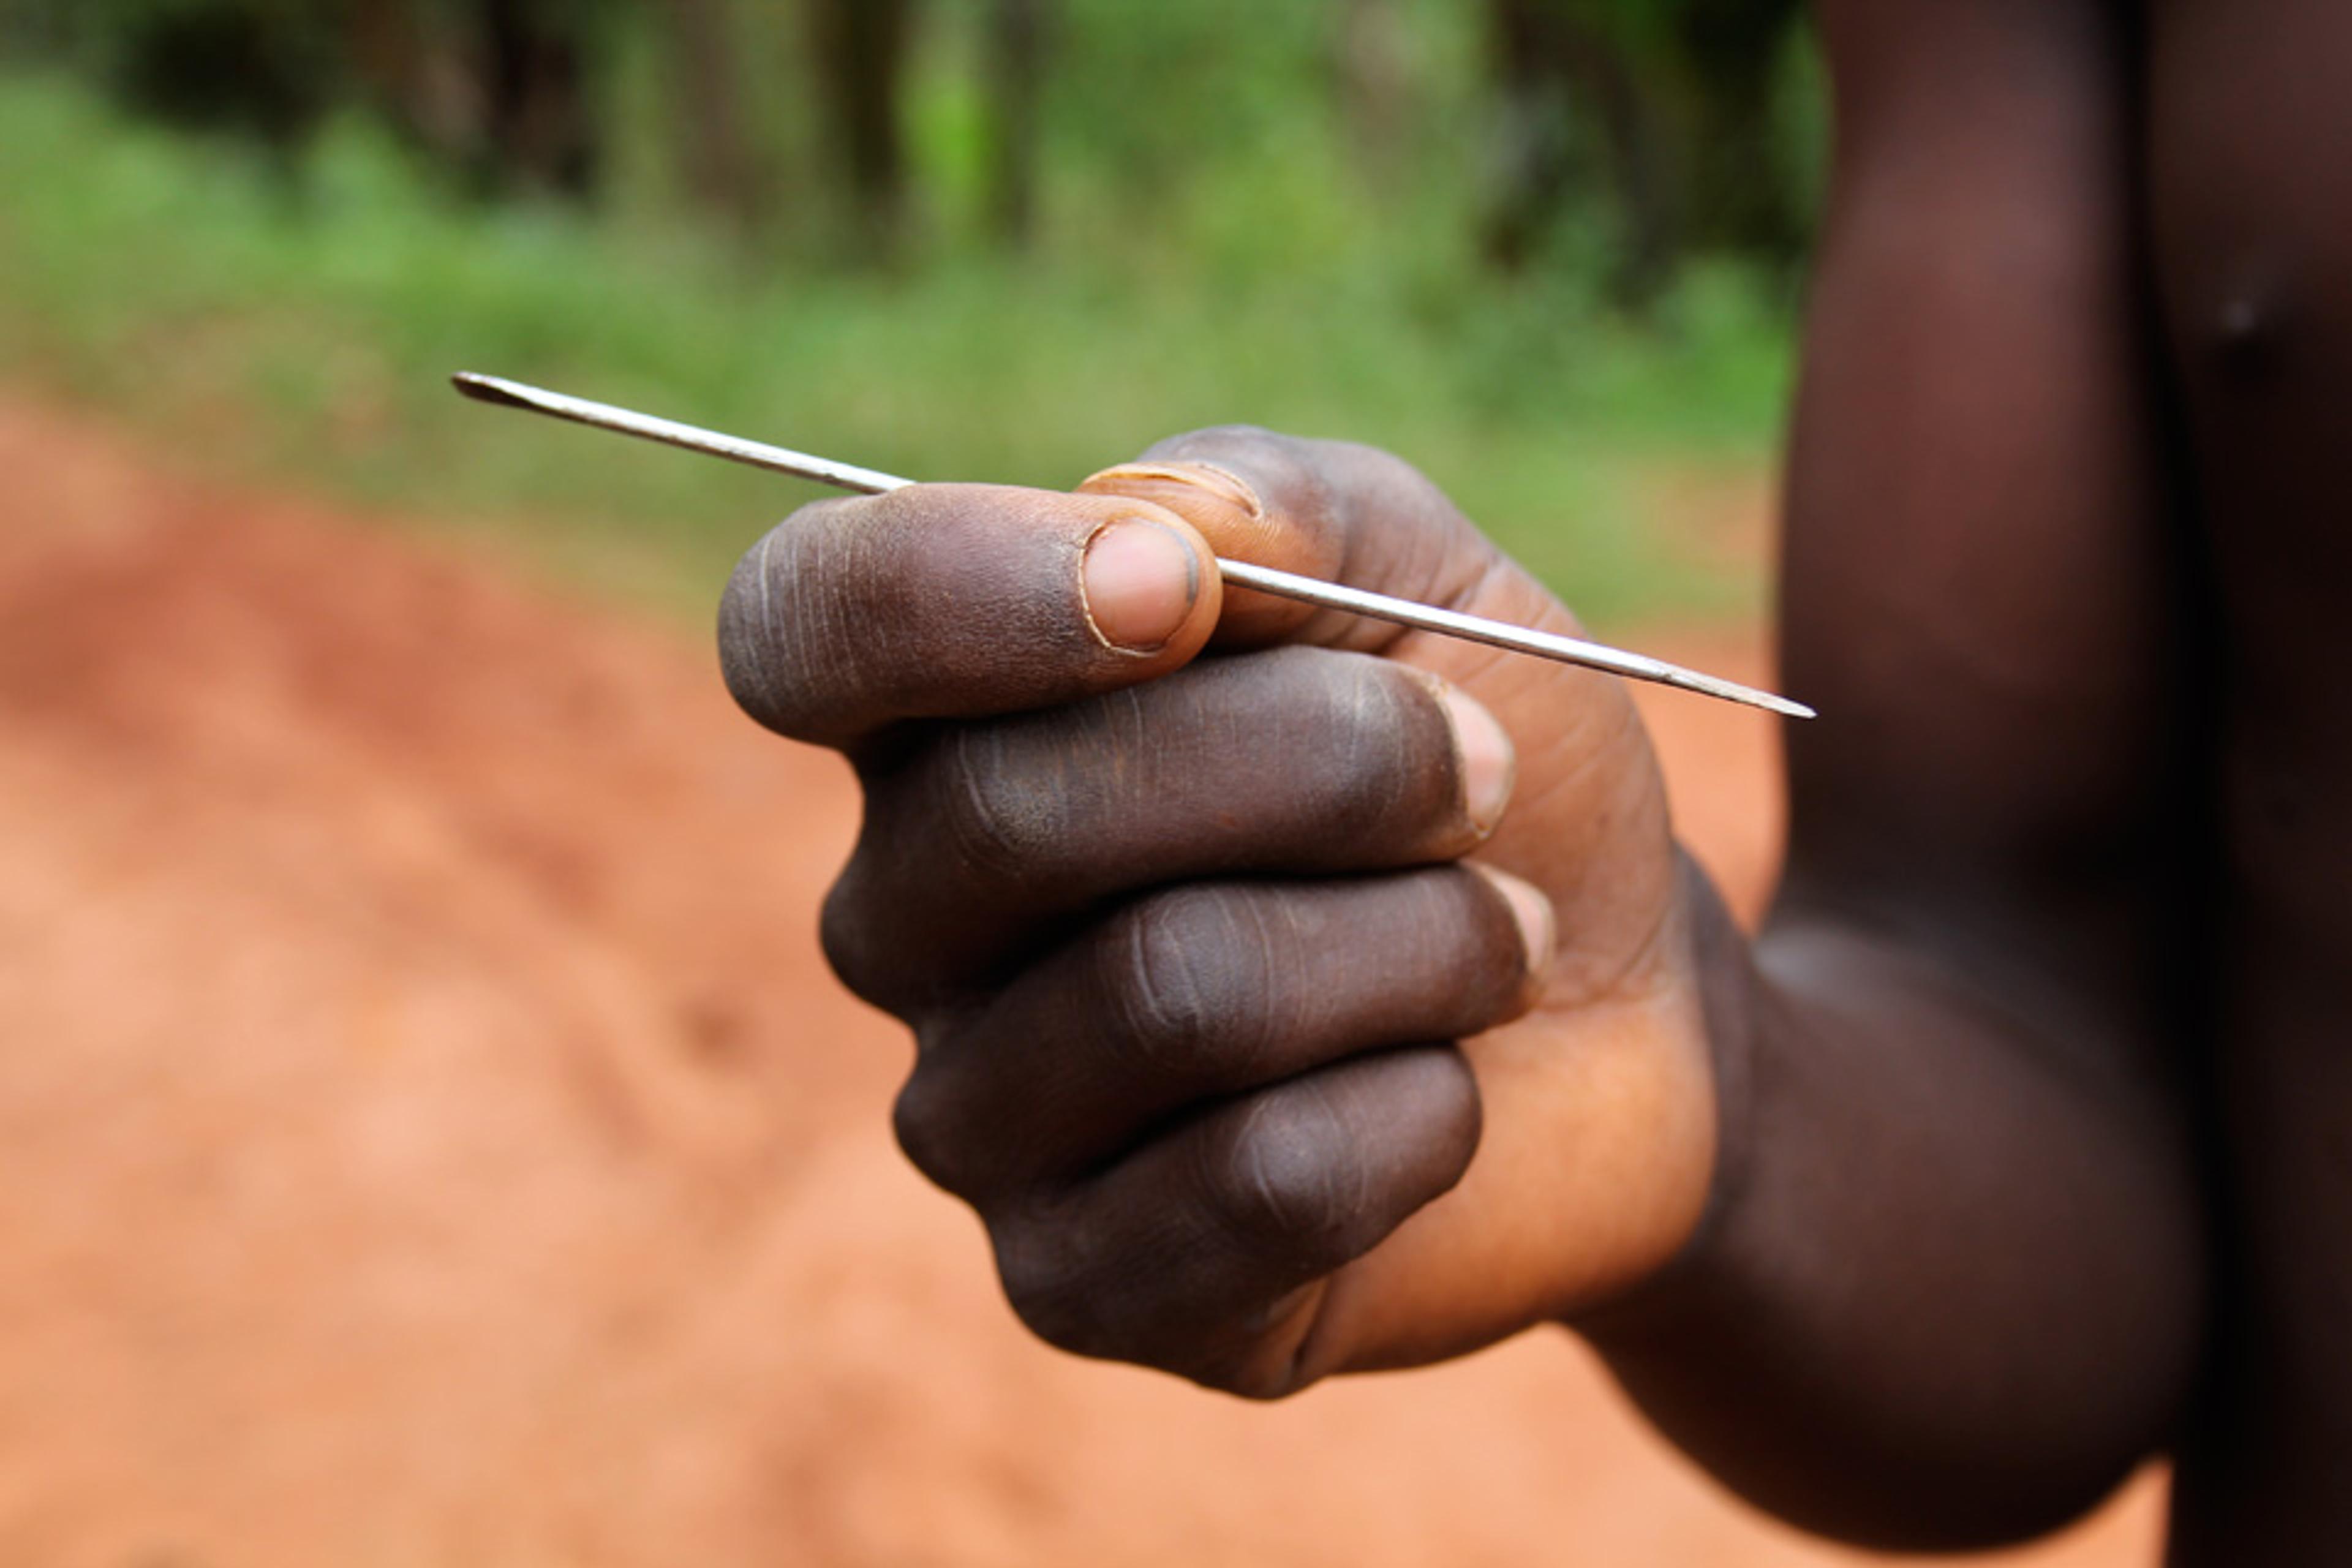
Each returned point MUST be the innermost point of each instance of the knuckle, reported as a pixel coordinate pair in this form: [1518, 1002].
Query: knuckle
[1157, 1298]
[1282, 469]
[994, 817]
[1381, 472]
[1385, 752]
[1213, 439]
[928, 1133]
[1188, 975]
[1281, 1183]
[1041, 1267]
[854, 941]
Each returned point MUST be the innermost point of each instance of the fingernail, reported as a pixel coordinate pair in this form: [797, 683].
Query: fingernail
[1141, 581]
[1145, 478]
[1539, 927]
[1488, 763]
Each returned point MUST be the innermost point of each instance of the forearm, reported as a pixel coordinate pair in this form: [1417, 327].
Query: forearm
[1948, 1293]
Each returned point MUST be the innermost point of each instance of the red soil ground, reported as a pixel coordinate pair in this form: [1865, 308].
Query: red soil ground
[428, 1135]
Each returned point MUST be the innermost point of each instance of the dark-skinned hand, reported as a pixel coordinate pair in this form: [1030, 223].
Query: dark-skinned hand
[1292, 994]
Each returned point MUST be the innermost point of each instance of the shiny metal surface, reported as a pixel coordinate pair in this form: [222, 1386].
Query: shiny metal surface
[1264, 579]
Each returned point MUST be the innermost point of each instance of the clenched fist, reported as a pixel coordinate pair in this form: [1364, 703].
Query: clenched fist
[1292, 994]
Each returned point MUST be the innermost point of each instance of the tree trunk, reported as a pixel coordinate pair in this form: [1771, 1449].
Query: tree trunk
[860, 48]
[1740, 194]
[421, 78]
[1018, 42]
[1637, 144]
[1556, 69]
[541, 131]
[722, 168]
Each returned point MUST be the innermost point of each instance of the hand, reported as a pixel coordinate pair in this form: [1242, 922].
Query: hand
[1184, 940]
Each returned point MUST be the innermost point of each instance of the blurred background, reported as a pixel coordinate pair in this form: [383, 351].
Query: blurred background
[427, 1133]
[1549, 249]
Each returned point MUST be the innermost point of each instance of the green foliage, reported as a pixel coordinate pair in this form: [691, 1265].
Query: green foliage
[1215, 251]
[267, 69]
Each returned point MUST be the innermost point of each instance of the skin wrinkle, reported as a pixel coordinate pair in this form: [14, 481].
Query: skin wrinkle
[1326, 514]
[1372, 714]
[1013, 832]
[1139, 738]
[837, 628]
[1180, 1013]
[1364, 1153]
[1293, 1199]
[1625, 730]
[1253, 1031]
[1299, 1313]
[1144, 1003]
[1343, 823]
[764, 631]
[1430, 571]
[1642, 960]
[1467, 664]
[997, 845]
[799, 626]
[980, 832]
[1300, 1013]
[1307, 984]
[2027, 1163]
[1453, 578]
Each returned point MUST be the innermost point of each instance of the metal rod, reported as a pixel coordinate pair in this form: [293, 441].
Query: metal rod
[1264, 579]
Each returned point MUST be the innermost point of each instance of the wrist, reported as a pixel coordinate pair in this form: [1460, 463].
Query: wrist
[1720, 991]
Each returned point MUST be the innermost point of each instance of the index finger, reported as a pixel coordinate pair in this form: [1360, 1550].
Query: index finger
[959, 601]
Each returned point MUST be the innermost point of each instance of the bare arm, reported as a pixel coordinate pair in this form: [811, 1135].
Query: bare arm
[1273, 1031]
[1950, 1291]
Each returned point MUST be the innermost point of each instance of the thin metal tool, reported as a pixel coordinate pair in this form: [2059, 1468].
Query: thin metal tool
[1264, 579]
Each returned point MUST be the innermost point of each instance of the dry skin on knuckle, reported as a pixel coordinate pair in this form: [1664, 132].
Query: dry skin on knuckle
[1066, 794]
[1385, 757]
[1324, 759]
[996, 813]
[1191, 965]
[1277, 1183]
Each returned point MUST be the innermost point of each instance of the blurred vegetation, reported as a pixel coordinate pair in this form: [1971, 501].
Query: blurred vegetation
[1546, 248]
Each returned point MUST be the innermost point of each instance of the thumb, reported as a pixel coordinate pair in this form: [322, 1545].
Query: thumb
[1590, 828]
[1330, 510]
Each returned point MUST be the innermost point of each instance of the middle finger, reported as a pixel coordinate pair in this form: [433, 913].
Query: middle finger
[986, 841]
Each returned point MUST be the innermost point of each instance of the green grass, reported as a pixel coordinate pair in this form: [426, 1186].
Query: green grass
[306, 337]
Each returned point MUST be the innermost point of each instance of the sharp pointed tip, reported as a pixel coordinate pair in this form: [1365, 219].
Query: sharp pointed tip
[1747, 696]
[1781, 705]
[487, 389]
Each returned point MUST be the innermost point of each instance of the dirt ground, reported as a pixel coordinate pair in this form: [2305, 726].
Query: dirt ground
[428, 1134]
